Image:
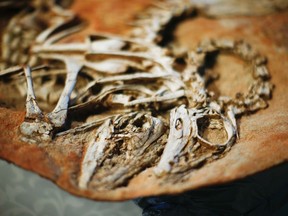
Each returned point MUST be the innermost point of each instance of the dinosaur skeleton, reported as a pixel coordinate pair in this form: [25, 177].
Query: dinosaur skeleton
[129, 80]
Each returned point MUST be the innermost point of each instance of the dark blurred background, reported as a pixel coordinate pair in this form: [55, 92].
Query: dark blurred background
[262, 194]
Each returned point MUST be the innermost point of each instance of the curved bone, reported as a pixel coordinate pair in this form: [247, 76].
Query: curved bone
[179, 135]
[111, 55]
[136, 139]
[109, 90]
[166, 97]
[50, 35]
[228, 123]
[59, 114]
[231, 133]
[18, 70]
[94, 152]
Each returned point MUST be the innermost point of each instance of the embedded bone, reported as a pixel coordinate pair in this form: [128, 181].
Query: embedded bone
[166, 97]
[59, 114]
[109, 90]
[179, 135]
[34, 127]
[137, 138]
[94, 151]
[26, 26]
[231, 133]
[131, 77]
[231, 116]
[32, 109]
[118, 66]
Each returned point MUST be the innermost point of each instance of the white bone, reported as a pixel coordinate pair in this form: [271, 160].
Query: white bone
[94, 151]
[156, 130]
[231, 117]
[228, 126]
[59, 114]
[166, 97]
[179, 135]
[32, 109]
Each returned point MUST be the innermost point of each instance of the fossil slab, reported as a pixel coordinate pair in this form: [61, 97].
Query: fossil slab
[116, 117]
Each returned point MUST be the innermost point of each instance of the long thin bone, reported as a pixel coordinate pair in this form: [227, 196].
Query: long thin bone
[131, 77]
[44, 35]
[106, 36]
[50, 35]
[166, 97]
[61, 48]
[32, 109]
[137, 76]
[110, 90]
[109, 65]
[94, 152]
[18, 70]
[59, 114]
[11, 71]
[93, 43]
[119, 61]
[122, 55]
[63, 34]
[85, 127]
[135, 58]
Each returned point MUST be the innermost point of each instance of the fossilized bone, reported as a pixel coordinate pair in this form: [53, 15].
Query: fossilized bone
[23, 29]
[136, 139]
[125, 73]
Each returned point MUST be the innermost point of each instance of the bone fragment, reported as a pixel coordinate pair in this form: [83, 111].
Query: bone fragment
[94, 151]
[166, 97]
